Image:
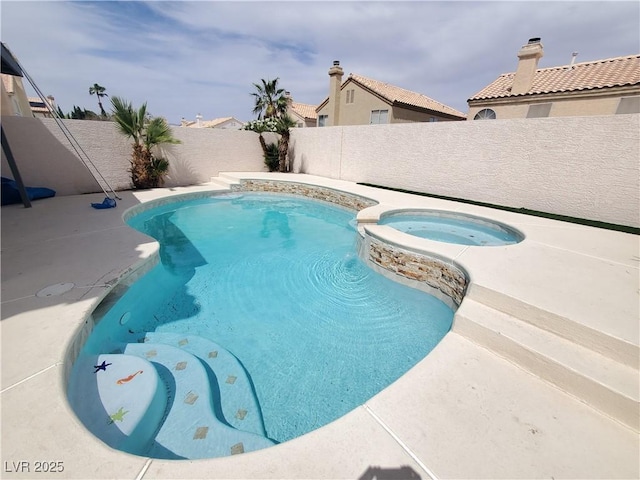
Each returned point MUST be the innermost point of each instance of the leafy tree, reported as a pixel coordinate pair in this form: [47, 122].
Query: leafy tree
[82, 114]
[271, 110]
[147, 170]
[98, 91]
[270, 100]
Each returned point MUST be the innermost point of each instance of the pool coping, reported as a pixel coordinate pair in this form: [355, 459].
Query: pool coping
[371, 435]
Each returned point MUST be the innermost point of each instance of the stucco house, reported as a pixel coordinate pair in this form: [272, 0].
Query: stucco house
[363, 101]
[222, 123]
[14, 97]
[602, 87]
[302, 113]
[40, 109]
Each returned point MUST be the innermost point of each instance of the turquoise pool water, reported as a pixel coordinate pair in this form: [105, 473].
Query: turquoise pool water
[270, 286]
[451, 227]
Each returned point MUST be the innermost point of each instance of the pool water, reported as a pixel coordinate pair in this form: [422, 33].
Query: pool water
[274, 284]
[452, 227]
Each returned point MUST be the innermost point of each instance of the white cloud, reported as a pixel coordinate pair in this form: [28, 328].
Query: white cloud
[202, 57]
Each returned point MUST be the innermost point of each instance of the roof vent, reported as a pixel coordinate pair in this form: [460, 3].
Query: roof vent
[534, 40]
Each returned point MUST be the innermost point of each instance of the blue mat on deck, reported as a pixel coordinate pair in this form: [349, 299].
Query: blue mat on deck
[11, 194]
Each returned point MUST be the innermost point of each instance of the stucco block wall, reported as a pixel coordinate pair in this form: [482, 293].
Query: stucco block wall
[45, 158]
[583, 167]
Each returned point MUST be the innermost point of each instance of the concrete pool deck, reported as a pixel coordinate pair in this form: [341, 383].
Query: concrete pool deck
[475, 407]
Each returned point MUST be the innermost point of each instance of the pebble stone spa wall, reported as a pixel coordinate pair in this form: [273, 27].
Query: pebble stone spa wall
[438, 277]
[347, 200]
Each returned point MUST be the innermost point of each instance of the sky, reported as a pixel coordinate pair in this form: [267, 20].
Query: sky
[202, 57]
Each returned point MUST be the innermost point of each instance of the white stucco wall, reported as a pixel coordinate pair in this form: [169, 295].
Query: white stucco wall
[585, 167]
[45, 158]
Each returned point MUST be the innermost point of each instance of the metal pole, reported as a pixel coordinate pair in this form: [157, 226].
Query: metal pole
[14, 170]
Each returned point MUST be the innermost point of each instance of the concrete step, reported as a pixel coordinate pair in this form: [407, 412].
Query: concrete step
[571, 329]
[601, 382]
[191, 429]
[235, 394]
[226, 179]
[220, 182]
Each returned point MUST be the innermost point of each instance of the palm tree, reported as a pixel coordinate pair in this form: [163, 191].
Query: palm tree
[285, 123]
[271, 101]
[99, 90]
[147, 170]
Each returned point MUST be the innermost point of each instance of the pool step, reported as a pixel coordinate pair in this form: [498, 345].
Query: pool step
[224, 181]
[603, 383]
[236, 395]
[119, 398]
[191, 429]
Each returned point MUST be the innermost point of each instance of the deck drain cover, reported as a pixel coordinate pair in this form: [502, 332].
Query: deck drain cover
[55, 290]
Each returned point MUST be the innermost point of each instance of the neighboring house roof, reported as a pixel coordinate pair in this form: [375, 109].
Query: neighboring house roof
[210, 123]
[305, 110]
[398, 96]
[37, 105]
[595, 75]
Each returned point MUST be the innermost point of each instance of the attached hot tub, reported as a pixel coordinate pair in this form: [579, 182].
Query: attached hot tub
[451, 227]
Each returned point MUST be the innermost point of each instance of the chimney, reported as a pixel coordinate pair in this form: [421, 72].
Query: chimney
[528, 56]
[198, 120]
[335, 82]
[287, 95]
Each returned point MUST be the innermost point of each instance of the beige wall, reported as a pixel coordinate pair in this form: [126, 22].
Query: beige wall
[561, 106]
[584, 167]
[14, 100]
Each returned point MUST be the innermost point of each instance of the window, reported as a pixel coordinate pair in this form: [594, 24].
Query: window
[350, 95]
[322, 120]
[485, 114]
[433, 119]
[539, 111]
[379, 116]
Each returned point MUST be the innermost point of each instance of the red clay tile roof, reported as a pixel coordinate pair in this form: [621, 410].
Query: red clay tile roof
[595, 75]
[304, 110]
[398, 95]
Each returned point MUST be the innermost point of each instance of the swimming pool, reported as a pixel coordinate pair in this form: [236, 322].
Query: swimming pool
[260, 324]
[452, 227]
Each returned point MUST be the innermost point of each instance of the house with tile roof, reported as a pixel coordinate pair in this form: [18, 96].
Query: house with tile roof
[222, 123]
[40, 109]
[302, 113]
[363, 101]
[602, 87]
